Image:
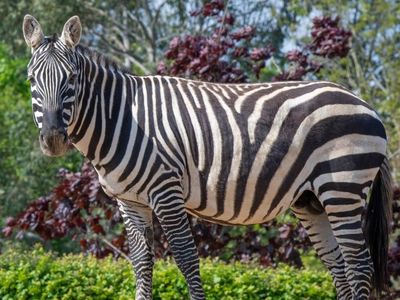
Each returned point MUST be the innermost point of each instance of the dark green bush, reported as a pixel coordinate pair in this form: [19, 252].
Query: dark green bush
[41, 275]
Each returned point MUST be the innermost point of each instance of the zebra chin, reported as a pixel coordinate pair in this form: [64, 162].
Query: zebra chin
[54, 145]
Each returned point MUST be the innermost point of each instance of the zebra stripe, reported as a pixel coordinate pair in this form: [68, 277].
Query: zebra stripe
[230, 153]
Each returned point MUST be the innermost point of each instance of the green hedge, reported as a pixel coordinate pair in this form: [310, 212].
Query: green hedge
[41, 275]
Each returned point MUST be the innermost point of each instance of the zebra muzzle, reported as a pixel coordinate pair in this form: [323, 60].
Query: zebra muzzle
[53, 137]
[53, 142]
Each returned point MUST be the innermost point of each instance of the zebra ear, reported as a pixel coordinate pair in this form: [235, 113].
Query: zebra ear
[72, 32]
[33, 33]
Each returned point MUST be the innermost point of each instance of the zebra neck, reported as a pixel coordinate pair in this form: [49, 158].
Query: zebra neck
[104, 117]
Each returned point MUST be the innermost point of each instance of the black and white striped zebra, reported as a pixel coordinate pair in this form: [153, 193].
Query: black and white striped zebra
[229, 153]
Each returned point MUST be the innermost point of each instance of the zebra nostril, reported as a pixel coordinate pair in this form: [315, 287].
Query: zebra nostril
[64, 135]
[61, 132]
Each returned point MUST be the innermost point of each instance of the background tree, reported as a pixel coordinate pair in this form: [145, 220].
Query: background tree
[372, 70]
[132, 32]
[210, 40]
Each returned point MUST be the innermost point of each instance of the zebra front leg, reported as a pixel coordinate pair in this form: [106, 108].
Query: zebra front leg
[139, 228]
[175, 224]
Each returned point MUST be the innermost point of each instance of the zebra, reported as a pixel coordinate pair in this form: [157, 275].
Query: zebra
[228, 153]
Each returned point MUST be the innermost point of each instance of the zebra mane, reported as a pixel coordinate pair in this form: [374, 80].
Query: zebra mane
[93, 55]
[101, 59]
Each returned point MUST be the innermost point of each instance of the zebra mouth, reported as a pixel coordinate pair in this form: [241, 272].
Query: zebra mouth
[54, 143]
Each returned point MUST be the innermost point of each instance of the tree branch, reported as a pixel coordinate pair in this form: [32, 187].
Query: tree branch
[105, 241]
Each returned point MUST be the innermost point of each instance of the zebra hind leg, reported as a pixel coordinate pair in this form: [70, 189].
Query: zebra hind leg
[314, 219]
[344, 210]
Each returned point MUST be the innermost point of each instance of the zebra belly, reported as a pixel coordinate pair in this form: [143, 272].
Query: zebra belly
[224, 220]
[228, 215]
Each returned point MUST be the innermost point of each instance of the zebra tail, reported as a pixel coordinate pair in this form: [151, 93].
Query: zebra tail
[378, 226]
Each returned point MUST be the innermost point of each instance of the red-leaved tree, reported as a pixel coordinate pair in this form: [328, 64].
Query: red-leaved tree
[226, 53]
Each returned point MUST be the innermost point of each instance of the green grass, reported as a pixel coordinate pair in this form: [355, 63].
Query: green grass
[37, 274]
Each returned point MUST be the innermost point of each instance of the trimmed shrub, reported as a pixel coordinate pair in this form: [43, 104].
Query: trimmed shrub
[38, 274]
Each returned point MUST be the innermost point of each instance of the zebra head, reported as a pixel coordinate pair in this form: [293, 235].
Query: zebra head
[52, 72]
